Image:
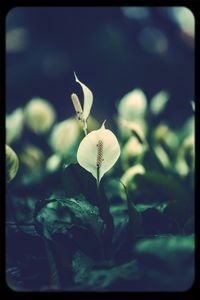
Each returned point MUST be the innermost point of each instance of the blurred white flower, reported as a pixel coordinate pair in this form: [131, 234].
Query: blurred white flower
[138, 127]
[162, 156]
[133, 105]
[12, 163]
[64, 137]
[165, 135]
[133, 152]
[159, 102]
[98, 152]
[184, 17]
[32, 157]
[39, 115]
[193, 105]
[17, 40]
[14, 125]
[185, 162]
[53, 163]
[128, 178]
[153, 40]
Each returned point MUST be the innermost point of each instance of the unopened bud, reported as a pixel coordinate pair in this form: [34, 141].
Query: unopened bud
[77, 106]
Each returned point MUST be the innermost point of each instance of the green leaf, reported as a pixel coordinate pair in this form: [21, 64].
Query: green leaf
[85, 212]
[76, 218]
[70, 212]
[106, 279]
[166, 262]
[158, 187]
[77, 180]
[143, 207]
[81, 265]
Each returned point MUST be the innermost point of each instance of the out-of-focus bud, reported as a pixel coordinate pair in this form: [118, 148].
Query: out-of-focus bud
[32, 157]
[12, 163]
[33, 162]
[133, 152]
[186, 156]
[163, 134]
[133, 105]
[39, 115]
[53, 163]
[65, 137]
[127, 129]
[14, 125]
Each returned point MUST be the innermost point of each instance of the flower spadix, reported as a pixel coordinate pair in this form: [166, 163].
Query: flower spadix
[82, 113]
[98, 152]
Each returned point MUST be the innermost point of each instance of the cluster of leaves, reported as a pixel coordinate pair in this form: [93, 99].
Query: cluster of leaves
[143, 246]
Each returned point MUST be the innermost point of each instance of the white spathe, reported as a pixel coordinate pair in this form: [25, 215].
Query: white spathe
[133, 105]
[88, 151]
[87, 100]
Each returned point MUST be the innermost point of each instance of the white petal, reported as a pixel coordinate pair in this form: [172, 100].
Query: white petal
[88, 98]
[133, 105]
[158, 102]
[88, 151]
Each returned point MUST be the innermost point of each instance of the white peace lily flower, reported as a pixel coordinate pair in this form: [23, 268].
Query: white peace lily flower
[98, 152]
[133, 105]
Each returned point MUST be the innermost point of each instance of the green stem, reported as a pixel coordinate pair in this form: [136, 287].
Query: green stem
[54, 277]
[103, 205]
[85, 129]
[98, 181]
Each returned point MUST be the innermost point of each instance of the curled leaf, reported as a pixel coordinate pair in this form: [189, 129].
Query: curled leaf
[88, 98]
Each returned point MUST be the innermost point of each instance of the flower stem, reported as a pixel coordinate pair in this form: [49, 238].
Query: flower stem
[85, 128]
[98, 180]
